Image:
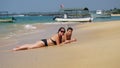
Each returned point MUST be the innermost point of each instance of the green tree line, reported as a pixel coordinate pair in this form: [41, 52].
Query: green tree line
[115, 11]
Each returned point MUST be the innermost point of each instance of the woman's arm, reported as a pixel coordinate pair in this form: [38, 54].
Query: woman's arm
[57, 40]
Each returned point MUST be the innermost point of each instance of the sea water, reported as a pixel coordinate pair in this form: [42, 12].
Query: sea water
[22, 24]
[27, 29]
[31, 24]
[112, 18]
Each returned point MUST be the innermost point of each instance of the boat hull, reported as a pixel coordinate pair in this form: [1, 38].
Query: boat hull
[89, 19]
[6, 20]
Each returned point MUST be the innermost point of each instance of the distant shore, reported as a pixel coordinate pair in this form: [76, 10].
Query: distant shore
[115, 14]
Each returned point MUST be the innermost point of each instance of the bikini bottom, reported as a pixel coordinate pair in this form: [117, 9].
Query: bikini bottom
[45, 42]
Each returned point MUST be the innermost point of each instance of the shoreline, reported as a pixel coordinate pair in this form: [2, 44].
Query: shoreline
[97, 46]
[28, 36]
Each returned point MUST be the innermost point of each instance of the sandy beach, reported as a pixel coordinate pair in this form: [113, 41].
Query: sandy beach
[97, 46]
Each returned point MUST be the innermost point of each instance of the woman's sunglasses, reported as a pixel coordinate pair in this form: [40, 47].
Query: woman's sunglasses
[62, 31]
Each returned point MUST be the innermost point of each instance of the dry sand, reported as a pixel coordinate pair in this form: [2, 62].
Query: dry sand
[97, 46]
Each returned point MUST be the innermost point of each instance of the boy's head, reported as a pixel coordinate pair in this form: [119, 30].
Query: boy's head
[70, 28]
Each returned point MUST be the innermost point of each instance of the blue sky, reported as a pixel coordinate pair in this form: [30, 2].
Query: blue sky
[54, 5]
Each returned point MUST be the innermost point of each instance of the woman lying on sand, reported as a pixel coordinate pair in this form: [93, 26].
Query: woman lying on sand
[57, 39]
[54, 40]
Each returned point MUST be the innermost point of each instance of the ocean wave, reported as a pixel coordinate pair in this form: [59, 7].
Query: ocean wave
[16, 30]
[60, 22]
[11, 34]
[31, 27]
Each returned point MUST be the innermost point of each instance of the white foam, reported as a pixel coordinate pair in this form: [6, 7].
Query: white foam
[28, 26]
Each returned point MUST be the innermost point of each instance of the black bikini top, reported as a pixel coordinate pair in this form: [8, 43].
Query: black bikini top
[54, 42]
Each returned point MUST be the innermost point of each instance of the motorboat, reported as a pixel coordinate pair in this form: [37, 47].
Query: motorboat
[74, 19]
[74, 15]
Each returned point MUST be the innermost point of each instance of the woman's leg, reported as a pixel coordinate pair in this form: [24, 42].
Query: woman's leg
[23, 47]
[29, 46]
[37, 45]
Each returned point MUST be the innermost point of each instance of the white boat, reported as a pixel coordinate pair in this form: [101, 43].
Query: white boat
[74, 15]
[86, 19]
[74, 19]
[5, 18]
[101, 14]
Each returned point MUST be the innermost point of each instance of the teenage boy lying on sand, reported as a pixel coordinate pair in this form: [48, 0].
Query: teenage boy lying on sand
[67, 36]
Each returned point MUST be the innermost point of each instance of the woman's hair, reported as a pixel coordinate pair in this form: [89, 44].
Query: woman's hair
[61, 28]
[69, 28]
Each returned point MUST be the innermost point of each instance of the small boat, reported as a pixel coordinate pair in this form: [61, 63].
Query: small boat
[6, 19]
[101, 14]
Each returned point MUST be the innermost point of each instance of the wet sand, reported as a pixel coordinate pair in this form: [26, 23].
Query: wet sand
[97, 46]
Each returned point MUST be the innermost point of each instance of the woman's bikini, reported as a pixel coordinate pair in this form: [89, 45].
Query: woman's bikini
[46, 43]
[54, 42]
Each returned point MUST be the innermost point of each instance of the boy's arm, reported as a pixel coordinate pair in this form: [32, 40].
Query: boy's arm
[69, 41]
